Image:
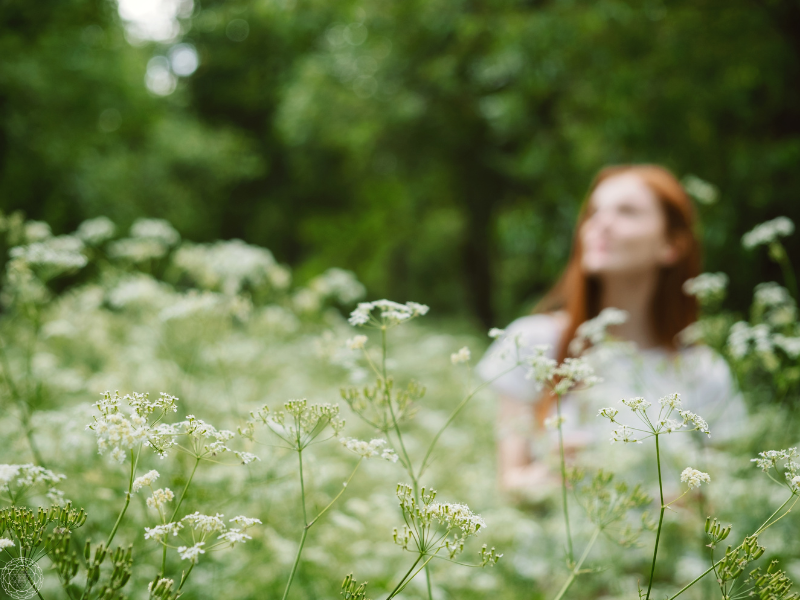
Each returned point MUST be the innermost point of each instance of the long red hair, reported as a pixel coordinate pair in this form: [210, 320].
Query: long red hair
[578, 294]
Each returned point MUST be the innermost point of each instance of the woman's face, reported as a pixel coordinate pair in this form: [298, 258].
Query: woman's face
[625, 229]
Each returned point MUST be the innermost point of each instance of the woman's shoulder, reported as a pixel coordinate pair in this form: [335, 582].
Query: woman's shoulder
[540, 328]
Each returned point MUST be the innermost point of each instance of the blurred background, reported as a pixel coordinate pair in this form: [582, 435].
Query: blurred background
[439, 149]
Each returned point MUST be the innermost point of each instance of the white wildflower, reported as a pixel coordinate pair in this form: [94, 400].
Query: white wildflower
[672, 401]
[790, 345]
[246, 457]
[462, 356]
[191, 553]
[160, 497]
[702, 191]
[205, 523]
[595, 331]
[137, 250]
[159, 532]
[156, 229]
[696, 420]
[373, 448]
[624, 434]
[574, 372]
[6, 543]
[554, 422]
[795, 483]
[495, 332]
[96, 231]
[609, 413]
[694, 478]
[670, 425]
[707, 287]
[37, 231]
[357, 343]
[338, 284]
[234, 536]
[391, 313]
[244, 522]
[230, 266]
[768, 232]
[145, 480]
[636, 404]
[54, 255]
[541, 367]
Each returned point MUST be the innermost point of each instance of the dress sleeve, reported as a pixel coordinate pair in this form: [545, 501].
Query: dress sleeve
[532, 331]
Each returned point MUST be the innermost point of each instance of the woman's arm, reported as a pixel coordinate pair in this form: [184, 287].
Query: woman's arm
[517, 469]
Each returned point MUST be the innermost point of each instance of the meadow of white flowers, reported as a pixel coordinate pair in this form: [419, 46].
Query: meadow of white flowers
[184, 419]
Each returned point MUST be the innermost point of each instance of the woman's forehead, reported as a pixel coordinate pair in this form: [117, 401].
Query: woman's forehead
[626, 188]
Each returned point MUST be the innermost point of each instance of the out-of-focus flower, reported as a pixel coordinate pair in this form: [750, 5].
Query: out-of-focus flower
[462, 356]
[768, 232]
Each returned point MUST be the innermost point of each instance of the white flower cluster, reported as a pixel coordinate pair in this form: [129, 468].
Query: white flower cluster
[96, 231]
[36, 231]
[6, 543]
[159, 532]
[301, 421]
[495, 332]
[701, 190]
[191, 553]
[149, 239]
[371, 449]
[573, 372]
[462, 356]
[769, 459]
[155, 229]
[707, 287]
[595, 331]
[694, 478]
[145, 480]
[338, 284]
[160, 497]
[390, 313]
[554, 422]
[229, 266]
[451, 516]
[27, 475]
[246, 457]
[117, 433]
[357, 342]
[624, 434]
[54, 255]
[205, 523]
[743, 337]
[768, 232]
[662, 424]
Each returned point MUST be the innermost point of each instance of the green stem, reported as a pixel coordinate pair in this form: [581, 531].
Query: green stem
[331, 503]
[175, 512]
[422, 568]
[428, 582]
[185, 576]
[576, 568]
[388, 398]
[564, 480]
[306, 526]
[660, 520]
[127, 498]
[400, 583]
[454, 414]
[788, 271]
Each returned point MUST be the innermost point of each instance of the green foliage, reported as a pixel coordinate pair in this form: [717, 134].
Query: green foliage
[435, 147]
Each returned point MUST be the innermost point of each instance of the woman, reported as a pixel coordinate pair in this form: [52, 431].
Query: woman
[633, 250]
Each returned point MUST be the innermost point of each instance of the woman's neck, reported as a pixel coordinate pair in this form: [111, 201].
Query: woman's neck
[632, 293]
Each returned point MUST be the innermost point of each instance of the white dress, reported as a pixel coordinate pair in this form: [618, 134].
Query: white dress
[699, 374]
